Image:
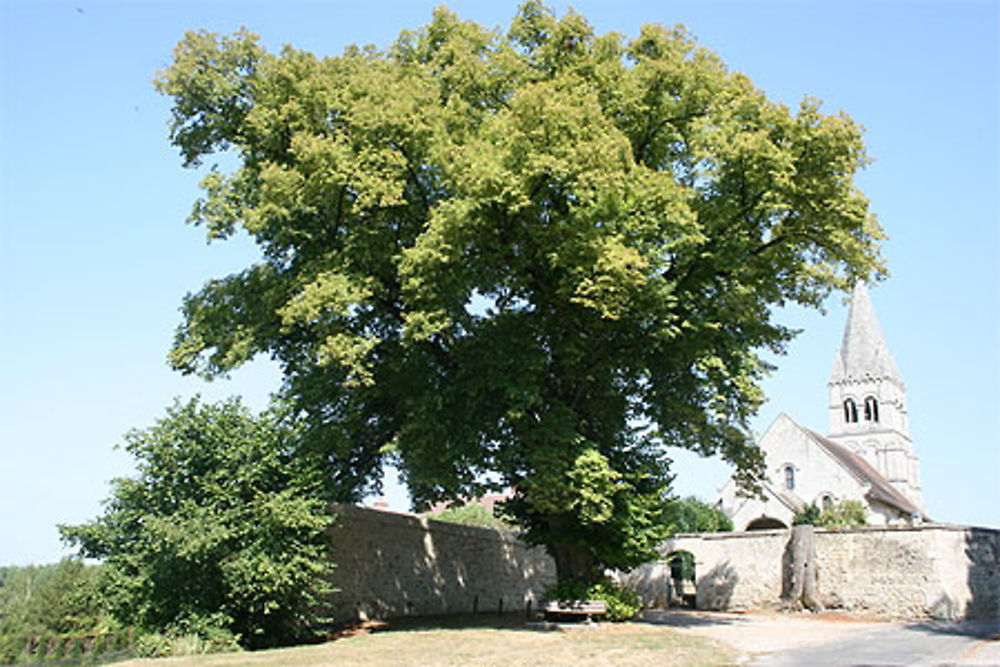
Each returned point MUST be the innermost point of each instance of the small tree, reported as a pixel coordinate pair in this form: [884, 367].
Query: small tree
[223, 528]
[692, 515]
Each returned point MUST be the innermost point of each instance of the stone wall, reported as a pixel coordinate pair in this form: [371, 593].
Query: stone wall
[397, 565]
[936, 571]
[392, 564]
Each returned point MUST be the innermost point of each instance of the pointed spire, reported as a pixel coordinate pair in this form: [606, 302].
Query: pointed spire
[863, 353]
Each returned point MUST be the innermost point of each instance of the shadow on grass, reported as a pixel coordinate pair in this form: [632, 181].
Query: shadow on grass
[515, 621]
[489, 621]
[680, 618]
[519, 622]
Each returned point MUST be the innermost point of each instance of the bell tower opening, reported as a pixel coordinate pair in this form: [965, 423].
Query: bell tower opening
[850, 411]
[871, 409]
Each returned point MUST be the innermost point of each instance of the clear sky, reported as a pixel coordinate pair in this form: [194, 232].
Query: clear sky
[95, 256]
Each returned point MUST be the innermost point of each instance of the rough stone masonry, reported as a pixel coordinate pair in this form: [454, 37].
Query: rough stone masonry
[392, 564]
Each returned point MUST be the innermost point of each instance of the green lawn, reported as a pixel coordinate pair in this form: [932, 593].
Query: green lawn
[471, 642]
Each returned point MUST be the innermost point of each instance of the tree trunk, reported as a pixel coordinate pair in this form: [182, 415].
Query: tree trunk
[575, 563]
[801, 588]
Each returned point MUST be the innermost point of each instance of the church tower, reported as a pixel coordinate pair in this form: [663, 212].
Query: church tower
[868, 400]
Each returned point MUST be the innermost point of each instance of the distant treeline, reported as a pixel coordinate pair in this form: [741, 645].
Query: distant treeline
[54, 613]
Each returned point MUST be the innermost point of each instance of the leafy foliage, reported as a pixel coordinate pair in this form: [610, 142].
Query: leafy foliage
[52, 606]
[221, 531]
[844, 513]
[471, 514]
[808, 515]
[690, 515]
[488, 256]
[51, 599]
[682, 566]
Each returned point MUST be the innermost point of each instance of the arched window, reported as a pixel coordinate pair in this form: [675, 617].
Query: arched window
[850, 411]
[826, 502]
[789, 477]
[871, 409]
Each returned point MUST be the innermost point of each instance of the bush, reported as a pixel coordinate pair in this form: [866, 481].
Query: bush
[845, 513]
[808, 515]
[175, 642]
[621, 603]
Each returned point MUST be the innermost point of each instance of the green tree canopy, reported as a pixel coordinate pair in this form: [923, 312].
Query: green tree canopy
[222, 529]
[533, 257]
[60, 598]
[691, 515]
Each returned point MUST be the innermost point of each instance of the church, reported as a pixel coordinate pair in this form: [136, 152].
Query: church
[867, 455]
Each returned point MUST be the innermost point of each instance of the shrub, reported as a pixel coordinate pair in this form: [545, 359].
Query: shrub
[808, 515]
[845, 513]
[175, 642]
[621, 603]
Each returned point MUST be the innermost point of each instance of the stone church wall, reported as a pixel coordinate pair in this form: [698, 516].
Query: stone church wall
[392, 564]
[936, 571]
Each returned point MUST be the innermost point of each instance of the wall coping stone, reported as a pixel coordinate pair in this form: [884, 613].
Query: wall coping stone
[427, 524]
[947, 527]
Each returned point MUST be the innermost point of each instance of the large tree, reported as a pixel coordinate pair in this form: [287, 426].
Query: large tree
[529, 259]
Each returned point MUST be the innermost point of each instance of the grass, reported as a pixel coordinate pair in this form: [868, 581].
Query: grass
[478, 641]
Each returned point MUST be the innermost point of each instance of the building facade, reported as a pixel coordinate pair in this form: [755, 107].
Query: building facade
[868, 454]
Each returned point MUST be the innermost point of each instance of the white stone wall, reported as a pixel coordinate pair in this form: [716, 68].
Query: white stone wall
[935, 571]
[816, 475]
[390, 564]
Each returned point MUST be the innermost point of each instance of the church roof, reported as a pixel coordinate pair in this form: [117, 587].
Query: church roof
[879, 488]
[863, 353]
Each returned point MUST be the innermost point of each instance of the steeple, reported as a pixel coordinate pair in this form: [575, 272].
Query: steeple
[868, 405]
[863, 353]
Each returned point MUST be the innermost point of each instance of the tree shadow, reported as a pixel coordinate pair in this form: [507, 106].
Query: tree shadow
[980, 628]
[391, 565]
[982, 548]
[685, 618]
[715, 589]
[514, 620]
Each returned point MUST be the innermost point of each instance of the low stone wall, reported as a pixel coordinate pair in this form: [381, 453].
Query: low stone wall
[392, 564]
[936, 571]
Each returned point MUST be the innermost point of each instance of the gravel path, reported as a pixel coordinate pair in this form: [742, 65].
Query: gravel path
[780, 640]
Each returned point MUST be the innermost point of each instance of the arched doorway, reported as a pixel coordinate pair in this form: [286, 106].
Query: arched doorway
[682, 579]
[766, 523]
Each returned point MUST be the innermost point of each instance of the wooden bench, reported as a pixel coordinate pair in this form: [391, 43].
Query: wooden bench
[574, 608]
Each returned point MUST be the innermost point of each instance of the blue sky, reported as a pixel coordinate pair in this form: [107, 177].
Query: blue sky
[95, 256]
